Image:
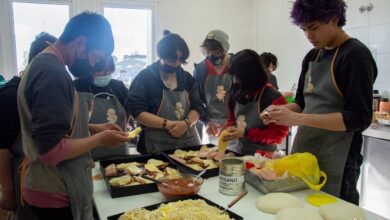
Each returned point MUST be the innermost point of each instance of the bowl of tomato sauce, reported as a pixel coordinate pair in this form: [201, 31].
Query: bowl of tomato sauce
[179, 187]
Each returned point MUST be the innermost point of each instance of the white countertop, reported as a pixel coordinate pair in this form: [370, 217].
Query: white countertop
[106, 206]
[378, 131]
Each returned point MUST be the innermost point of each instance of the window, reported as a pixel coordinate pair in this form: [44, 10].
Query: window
[132, 29]
[30, 19]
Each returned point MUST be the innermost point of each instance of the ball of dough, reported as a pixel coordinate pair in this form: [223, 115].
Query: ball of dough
[298, 213]
[274, 202]
[349, 211]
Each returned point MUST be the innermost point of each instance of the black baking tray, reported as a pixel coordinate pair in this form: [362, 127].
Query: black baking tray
[232, 215]
[184, 168]
[116, 192]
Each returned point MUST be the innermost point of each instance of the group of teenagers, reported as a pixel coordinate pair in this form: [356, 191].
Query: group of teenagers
[57, 125]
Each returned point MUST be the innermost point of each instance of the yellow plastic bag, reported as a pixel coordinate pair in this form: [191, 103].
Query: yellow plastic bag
[302, 165]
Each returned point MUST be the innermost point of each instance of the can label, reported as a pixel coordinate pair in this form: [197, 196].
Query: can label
[231, 179]
[231, 176]
[231, 185]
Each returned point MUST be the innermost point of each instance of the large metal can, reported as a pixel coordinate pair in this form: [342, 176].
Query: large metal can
[231, 176]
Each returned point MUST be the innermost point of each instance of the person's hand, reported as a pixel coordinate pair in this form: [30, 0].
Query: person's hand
[212, 129]
[7, 199]
[234, 133]
[283, 116]
[112, 138]
[265, 116]
[178, 128]
[97, 128]
[169, 125]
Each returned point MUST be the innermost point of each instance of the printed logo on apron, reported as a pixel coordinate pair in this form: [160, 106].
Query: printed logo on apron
[179, 110]
[240, 122]
[310, 85]
[111, 115]
[221, 93]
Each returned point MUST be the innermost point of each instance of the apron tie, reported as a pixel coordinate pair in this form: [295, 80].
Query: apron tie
[22, 170]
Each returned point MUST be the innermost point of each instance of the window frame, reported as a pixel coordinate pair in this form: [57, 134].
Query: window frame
[151, 5]
[8, 55]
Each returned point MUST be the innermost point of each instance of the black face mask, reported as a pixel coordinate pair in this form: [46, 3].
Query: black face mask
[81, 68]
[169, 69]
[216, 60]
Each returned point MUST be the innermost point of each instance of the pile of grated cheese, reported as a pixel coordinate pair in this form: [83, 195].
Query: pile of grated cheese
[180, 210]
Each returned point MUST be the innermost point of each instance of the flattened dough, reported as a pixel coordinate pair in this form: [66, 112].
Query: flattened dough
[349, 211]
[274, 202]
[298, 213]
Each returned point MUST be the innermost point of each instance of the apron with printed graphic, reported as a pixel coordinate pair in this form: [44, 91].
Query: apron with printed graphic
[108, 109]
[216, 94]
[322, 96]
[248, 116]
[174, 106]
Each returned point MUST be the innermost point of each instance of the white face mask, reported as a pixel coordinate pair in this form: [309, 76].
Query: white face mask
[102, 81]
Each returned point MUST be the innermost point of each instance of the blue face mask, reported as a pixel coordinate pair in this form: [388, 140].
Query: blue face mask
[102, 81]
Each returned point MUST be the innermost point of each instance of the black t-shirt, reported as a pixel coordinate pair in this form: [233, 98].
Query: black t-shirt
[49, 93]
[273, 81]
[9, 117]
[146, 90]
[355, 72]
[116, 87]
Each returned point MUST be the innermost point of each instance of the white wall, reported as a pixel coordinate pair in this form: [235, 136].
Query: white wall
[275, 33]
[192, 19]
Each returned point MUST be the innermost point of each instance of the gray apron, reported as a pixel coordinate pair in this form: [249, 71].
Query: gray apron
[77, 172]
[72, 177]
[108, 110]
[216, 93]
[249, 114]
[174, 106]
[22, 211]
[331, 148]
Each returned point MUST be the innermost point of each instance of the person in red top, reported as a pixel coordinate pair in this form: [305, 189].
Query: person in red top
[214, 82]
[249, 96]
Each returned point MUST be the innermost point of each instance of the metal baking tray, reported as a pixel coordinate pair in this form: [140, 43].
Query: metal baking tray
[116, 192]
[232, 215]
[287, 184]
[186, 169]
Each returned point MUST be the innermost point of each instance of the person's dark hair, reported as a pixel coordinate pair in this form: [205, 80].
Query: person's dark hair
[247, 68]
[42, 40]
[169, 44]
[306, 11]
[94, 27]
[212, 45]
[268, 58]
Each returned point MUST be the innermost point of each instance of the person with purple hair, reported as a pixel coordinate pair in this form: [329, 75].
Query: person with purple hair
[334, 97]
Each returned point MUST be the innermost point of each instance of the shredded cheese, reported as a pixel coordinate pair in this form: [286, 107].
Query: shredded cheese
[180, 210]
